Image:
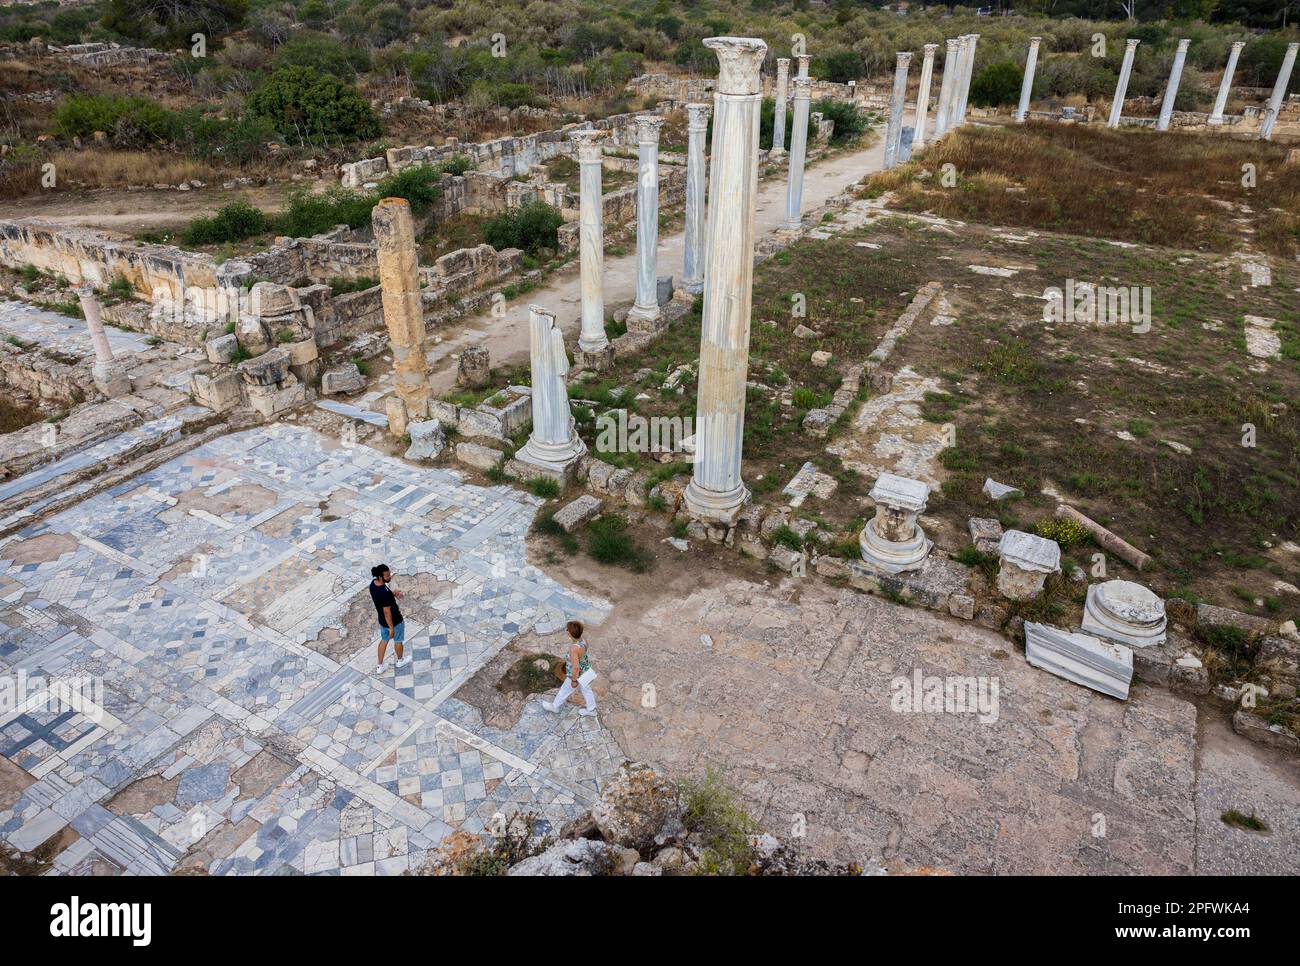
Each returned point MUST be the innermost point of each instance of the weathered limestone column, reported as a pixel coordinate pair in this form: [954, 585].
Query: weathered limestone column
[106, 374]
[645, 311]
[399, 278]
[553, 445]
[1279, 92]
[803, 60]
[1027, 87]
[798, 153]
[967, 76]
[716, 491]
[697, 123]
[1171, 89]
[892, 541]
[1225, 85]
[923, 97]
[591, 236]
[778, 118]
[897, 99]
[1121, 87]
[943, 113]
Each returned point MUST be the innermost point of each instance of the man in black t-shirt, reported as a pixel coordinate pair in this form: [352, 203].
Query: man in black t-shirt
[391, 624]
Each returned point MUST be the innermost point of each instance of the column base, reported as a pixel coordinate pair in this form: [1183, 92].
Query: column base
[556, 461]
[110, 380]
[789, 227]
[1214, 121]
[644, 318]
[724, 508]
[695, 288]
[890, 557]
[600, 358]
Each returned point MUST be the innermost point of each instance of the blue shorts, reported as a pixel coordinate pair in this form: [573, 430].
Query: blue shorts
[398, 633]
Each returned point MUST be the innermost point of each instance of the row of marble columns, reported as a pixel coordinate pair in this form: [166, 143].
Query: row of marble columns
[954, 91]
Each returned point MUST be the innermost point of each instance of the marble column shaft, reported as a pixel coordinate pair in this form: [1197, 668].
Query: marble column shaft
[897, 103]
[798, 153]
[697, 124]
[778, 118]
[942, 113]
[1225, 85]
[1027, 86]
[1171, 89]
[716, 490]
[1121, 86]
[95, 324]
[399, 279]
[923, 97]
[646, 307]
[1279, 92]
[591, 236]
[553, 440]
[967, 76]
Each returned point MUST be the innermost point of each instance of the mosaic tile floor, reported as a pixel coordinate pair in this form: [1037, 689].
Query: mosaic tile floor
[217, 737]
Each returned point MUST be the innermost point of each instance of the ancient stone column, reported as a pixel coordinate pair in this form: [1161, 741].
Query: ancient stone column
[697, 123]
[1279, 92]
[644, 314]
[1124, 612]
[1121, 87]
[798, 153]
[716, 490]
[923, 97]
[897, 99]
[553, 445]
[1027, 86]
[1225, 85]
[943, 113]
[106, 374]
[1171, 89]
[967, 75]
[803, 60]
[892, 541]
[399, 278]
[778, 118]
[591, 236]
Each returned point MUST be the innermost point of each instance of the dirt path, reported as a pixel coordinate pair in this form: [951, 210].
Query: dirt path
[113, 209]
[506, 337]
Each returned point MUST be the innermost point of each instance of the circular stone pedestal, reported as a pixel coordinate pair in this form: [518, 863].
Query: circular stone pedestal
[1124, 612]
[889, 556]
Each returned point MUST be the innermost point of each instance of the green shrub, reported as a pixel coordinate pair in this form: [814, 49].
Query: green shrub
[850, 122]
[722, 824]
[609, 543]
[232, 223]
[545, 487]
[418, 185]
[786, 537]
[997, 85]
[530, 227]
[239, 140]
[322, 52]
[1067, 533]
[315, 107]
[130, 121]
[310, 214]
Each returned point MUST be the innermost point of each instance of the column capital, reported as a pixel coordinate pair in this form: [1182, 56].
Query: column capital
[740, 62]
[783, 65]
[953, 43]
[697, 116]
[1238, 44]
[930, 49]
[1132, 42]
[802, 88]
[589, 145]
[1035, 41]
[804, 61]
[902, 58]
[1182, 45]
[647, 128]
[1293, 46]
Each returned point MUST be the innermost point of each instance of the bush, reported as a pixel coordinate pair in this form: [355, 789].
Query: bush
[322, 52]
[839, 66]
[996, 85]
[239, 140]
[310, 214]
[531, 227]
[850, 123]
[1065, 532]
[418, 185]
[610, 543]
[133, 121]
[317, 107]
[175, 21]
[234, 222]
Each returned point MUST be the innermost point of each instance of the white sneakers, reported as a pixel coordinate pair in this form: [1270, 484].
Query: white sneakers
[379, 669]
[587, 712]
[550, 707]
[405, 660]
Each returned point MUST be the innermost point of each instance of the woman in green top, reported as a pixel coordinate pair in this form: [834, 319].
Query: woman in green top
[578, 674]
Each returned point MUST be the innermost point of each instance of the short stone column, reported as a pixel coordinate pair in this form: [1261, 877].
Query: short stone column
[697, 123]
[1121, 86]
[554, 445]
[892, 541]
[778, 116]
[968, 74]
[897, 102]
[1171, 89]
[1225, 85]
[644, 314]
[798, 154]
[593, 343]
[1124, 612]
[1025, 560]
[399, 279]
[106, 374]
[716, 491]
[943, 113]
[923, 97]
[1027, 85]
[1279, 92]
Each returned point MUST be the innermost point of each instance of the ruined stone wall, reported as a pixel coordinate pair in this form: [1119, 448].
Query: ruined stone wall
[43, 378]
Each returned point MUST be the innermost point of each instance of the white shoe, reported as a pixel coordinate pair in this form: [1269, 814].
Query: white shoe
[550, 707]
[404, 660]
[379, 669]
[587, 712]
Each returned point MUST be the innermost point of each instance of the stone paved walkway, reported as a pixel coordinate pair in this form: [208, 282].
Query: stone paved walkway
[222, 601]
[62, 333]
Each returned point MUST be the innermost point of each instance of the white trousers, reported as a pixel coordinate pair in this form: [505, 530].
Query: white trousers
[567, 689]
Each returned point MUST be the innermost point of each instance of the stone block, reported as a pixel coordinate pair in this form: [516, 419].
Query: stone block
[1081, 658]
[985, 534]
[474, 368]
[1257, 728]
[222, 349]
[398, 418]
[427, 440]
[821, 359]
[664, 290]
[271, 368]
[303, 352]
[446, 413]
[1255, 627]
[1026, 560]
[786, 559]
[1000, 491]
[1279, 658]
[478, 456]
[220, 391]
[578, 512]
[345, 380]
[270, 401]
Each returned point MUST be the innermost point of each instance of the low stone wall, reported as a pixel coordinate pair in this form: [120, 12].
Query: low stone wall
[42, 378]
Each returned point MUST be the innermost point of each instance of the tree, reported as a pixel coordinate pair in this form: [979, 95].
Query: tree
[175, 20]
[316, 106]
[996, 85]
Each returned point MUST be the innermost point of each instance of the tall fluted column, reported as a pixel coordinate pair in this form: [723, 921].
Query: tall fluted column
[1279, 92]
[399, 279]
[645, 311]
[1027, 86]
[967, 76]
[942, 113]
[958, 81]
[106, 374]
[923, 97]
[798, 153]
[591, 238]
[716, 490]
[1225, 85]
[1171, 90]
[1121, 87]
[553, 444]
[897, 100]
[697, 123]
[778, 118]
